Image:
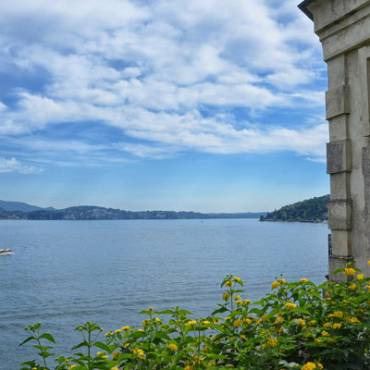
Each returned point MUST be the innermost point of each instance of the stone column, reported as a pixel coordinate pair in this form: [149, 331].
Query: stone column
[343, 27]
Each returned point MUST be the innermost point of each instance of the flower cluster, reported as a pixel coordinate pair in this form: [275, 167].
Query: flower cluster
[299, 325]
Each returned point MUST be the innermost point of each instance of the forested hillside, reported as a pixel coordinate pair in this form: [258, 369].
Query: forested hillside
[311, 210]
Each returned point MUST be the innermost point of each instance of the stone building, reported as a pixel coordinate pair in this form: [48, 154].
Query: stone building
[343, 27]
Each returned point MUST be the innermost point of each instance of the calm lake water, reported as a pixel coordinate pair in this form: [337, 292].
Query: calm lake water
[64, 273]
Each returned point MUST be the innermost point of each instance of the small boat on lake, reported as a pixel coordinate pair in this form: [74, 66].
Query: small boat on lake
[6, 252]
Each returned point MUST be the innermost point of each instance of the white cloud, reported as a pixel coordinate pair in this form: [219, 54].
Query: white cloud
[146, 151]
[151, 69]
[13, 165]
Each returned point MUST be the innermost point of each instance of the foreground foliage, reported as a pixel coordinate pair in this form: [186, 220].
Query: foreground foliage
[296, 326]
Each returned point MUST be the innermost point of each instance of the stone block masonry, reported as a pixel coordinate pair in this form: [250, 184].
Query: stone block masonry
[343, 27]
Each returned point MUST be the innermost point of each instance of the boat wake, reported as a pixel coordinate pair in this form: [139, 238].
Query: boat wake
[6, 252]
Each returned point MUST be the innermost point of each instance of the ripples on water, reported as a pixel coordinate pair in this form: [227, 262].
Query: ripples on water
[64, 273]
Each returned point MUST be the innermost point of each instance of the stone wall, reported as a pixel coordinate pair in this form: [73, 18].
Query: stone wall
[344, 30]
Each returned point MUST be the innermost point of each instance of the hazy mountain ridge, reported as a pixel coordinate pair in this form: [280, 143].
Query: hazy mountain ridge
[17, 206]
[102, 213]
[310, 210]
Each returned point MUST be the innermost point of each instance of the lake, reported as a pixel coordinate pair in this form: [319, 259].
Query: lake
[64, 273]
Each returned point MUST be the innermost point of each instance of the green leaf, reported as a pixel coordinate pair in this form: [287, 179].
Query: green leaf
[27, 340]
[104, 347]
[47, 337]
[80, 345]
[222, 309]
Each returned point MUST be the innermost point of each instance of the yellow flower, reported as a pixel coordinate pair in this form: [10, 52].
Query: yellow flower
[349, 271]
[248, 321]
[368, 263]
[71, 367]
[115, 368]
[360, 277]
[237, 323]
[229, 283]
[237, 298]
[226, 296]
[312, 366]
[139, 353]
[337, 325]
[272, 342]
[309, 366]
[353, 320]
[304, 280]
[328, 325]
[173, 347]
[115, 355]
[290, 305]
[244, 302]
[261, 319]
[125, 328]
[301, 322]
[325, 334]
[237, 279]
[157, 320]
[188, 367]
[277, 283]
[191, 323]
[206, 323]
[279, 320]
[337, 314]
[352, 286]
[117, 331]
[313, 322]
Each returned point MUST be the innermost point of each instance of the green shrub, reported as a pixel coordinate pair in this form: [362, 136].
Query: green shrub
[296, 326]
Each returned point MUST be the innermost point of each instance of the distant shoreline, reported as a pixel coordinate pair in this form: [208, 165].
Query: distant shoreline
[296, 221]
[135, 219]
[24, 211]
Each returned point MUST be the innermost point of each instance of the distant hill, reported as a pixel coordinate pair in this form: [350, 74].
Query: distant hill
[101, 213]
[17, 206]
[311, 210]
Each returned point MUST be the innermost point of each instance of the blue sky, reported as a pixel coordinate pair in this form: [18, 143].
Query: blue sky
[169, 104]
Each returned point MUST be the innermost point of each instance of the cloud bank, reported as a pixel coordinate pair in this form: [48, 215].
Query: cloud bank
[13, 165]
[169, 76]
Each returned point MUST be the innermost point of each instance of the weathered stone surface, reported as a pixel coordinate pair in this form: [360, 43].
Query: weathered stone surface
[331, 11]
[340, 186]
[365, 252]
[337, 72]
[346, 38]
[340, 215]
[364, 70]
[339, 156]
[341, 243]
[344, 30]
[337, 102]
[338, 128]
